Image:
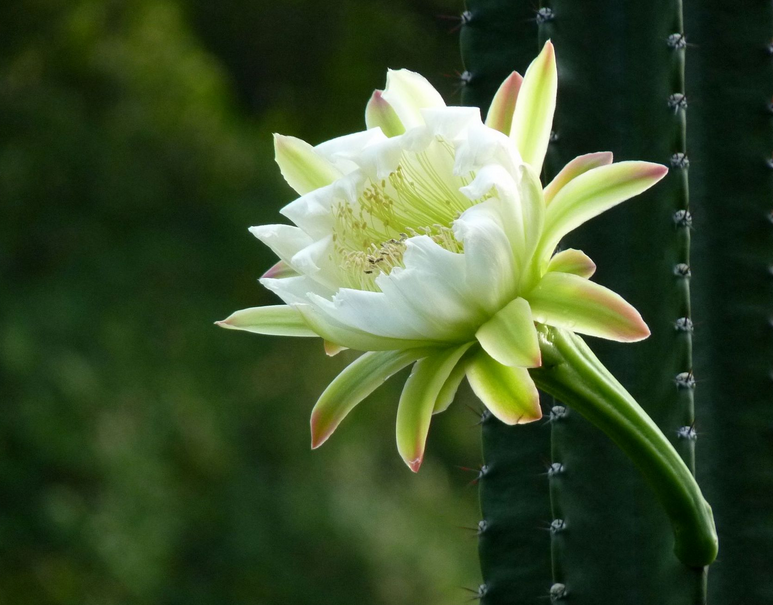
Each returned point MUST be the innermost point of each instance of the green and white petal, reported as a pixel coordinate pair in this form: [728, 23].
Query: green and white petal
[572, 261]
[571, 302]
[408, 93]
[448, 393]
[380, 114]
[502, 108]
[301, 166]
[533, 207]
[575, 168]
[508, 393]
[275, 320]
[592, 193]
[418, 400]
[350, 387]
[510, 336]
[533, 117]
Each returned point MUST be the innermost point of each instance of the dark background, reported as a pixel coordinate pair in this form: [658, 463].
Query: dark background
[147, 457]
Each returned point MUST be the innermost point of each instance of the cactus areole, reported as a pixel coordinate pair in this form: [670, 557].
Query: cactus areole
[428, 240]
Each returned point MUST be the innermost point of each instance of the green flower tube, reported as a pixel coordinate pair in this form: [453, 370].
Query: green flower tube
[574, 375]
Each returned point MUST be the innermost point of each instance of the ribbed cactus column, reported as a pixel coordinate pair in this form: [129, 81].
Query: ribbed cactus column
[731, 134]
[497, 37]
[621, 88]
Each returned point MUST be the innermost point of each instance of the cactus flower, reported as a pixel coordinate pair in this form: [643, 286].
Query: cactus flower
[427, 240]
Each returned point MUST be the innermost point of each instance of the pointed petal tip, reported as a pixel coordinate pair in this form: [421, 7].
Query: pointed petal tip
[537, 415]
[659, 171]
[317, 437]
[514, 79]
[642, 332]
[414, 465]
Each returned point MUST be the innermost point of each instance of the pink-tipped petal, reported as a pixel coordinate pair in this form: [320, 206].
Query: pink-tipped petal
[358, 380]
[575, 168]
[380, 114]
[415, 465]
[502, 108]
[573, 303]
[274, 320]
[418, 399]
[508, 393]
[592, 193]
[533, 117]
[279, 271]
[573, 261]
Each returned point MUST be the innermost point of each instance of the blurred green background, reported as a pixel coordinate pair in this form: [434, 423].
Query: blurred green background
[147, 457]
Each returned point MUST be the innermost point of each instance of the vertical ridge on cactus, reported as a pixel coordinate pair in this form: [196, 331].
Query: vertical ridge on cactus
[730, 75]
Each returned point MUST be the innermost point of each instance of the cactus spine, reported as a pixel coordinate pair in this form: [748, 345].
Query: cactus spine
[730, 75]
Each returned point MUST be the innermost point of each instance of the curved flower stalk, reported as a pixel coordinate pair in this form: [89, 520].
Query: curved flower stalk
[427, 240]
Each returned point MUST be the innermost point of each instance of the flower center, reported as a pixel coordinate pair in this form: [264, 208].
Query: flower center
[421, 197]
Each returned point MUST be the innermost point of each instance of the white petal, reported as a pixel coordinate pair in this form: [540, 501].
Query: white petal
[490, 266]
[343, 336]
[317, 262]
[483, 146]
[294, 290]
[375, 313]
[496, 177]
[433, 286]
[451, 123]
[284, 240]
[313, 212]
[342, 151]
[408, 93]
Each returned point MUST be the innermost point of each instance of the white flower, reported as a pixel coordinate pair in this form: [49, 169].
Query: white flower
[427, 239]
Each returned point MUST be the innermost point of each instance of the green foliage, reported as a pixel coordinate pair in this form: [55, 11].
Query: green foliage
[145, 455]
